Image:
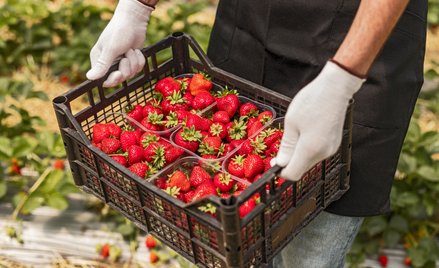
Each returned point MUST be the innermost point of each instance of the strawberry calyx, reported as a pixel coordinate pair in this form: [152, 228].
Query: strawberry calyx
[216, 129]
[238, 160]
[226, 92]
[191, 134]
[148, 139]
[205, 149]
[208, 208]
[258, 145]
[225, 178]
[158, 160]
[175, 98]
[238, 129]
[155, 118]
[173, 191]
[171, 120]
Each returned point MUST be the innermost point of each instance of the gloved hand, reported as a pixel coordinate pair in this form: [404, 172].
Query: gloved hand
[314, 121]
[123, 36]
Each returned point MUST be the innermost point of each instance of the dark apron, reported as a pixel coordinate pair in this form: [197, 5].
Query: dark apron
[283, 44]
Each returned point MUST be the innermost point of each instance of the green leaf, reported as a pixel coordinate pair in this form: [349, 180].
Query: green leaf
[57, 201]
[23, 146]
[5, 149]
[407, 163]
[376, 225]
[68, 188]
[399, 223]
[125, 229]
[3, 188]
[407, 198]
[419, 256]
[51, 182]
[428, 173]
[391, 237]
[34, 201]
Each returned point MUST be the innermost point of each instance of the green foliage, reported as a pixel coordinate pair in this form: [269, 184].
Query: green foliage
[433, 13]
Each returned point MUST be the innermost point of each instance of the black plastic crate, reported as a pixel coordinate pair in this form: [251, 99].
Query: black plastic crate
[221, 241]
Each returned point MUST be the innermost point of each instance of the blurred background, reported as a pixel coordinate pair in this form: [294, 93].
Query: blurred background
[46, 222]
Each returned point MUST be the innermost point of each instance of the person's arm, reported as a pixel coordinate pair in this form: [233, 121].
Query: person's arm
[314, 119]
[124, 36]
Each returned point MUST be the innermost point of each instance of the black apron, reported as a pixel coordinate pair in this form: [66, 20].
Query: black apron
[283, 45]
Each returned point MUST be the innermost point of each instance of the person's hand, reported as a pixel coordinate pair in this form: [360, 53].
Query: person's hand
[314, 121]
[123, 36]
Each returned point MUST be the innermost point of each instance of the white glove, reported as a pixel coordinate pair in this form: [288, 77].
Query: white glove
[124, 35]
[314, 121]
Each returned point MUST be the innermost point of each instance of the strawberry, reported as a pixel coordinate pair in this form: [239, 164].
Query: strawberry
[128, 138]
[188, 138]
[407, 261]
[153, 121]
[147, 138]
[248, 109]
[383, 260]
[105, 251]
[181, 115]
[114, 130]
[223, 182]
[228, 101]
[226, 149]
[279, 182]
[247, 207]
[174, 102]
[120, 159]
[202, 100]
[225, 195]
[241, 186]
[210, 146]
[274, 148]
[221, 117]
[218, 130]
[153, 257]
[180, 180]
[167, 86]
[135, 113]
[209, 209]
[149, 109]
[188, 196]
[238, 192]
[161, 183]
[139, 169]
[188, 98]
[246, 148]
[59, 164]
[257, 177]
[253, 165]
[254, 128]
[173, 154]
[271, 135]
[171, 120]
[150, 242]
[265, 116]
[199, 83]
[237, 130]
[236, 166]
[110, 145]
[235, 143]
[100, 132]
[199, 176]
[135, 154]
[198, 122]
[204, 190]
[155, 155]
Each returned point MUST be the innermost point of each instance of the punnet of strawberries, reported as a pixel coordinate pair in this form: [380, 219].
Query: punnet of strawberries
[190, 115]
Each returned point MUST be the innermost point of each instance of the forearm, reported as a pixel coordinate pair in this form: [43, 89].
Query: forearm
[370, 29]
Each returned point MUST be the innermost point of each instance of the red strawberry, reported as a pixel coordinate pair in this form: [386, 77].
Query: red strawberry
[246, 148]
[221, 117]
[188, 98]
[150, 242]
[210, 146]
[105, 251]
[153, 257]
[153, 122]
[161, 183]
[59, 164]
[241, 187]
[180, 180]
[407, 261]
[228, 101]
[174, 102]
[238, 192]
[188, 138]
[188, 196]
[226, 149]
[271, 136]
[155, 155]
[110, 145]
[100, 132]
[383, 260]
[247, 207]
[167, 86]
[223, 181]
[198, 122]
[114, 130]
[202, 100]
[236, 166]
[173, 154]
[147, 138]
[274, 148]
[248, 109]
[149, 109]
[253, 165]
[120, 159]
[135, 154]
[204, 190]
[279, 182]
[254, 128]
[199, 176]
[135, 113]
[199, 83]
[139, 169]
[265, 116]
[218, 130]
[257, 177]
[225, 195]
[236, 143]
[181, 115]
[128, 138]
[267, 164]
